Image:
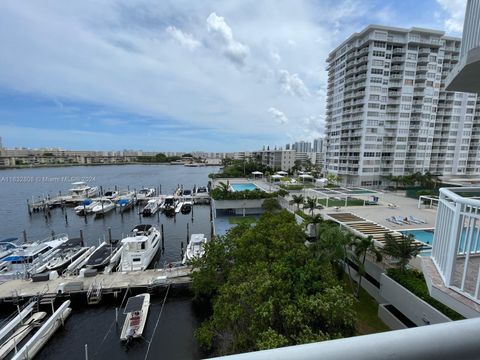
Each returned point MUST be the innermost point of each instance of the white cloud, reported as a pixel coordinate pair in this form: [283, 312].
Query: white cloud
[292, 84]
[183, 38]
[454, 14]
[278, 115]
[275, 57]
[233, 49]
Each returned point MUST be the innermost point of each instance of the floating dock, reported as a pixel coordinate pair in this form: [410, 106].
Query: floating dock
[107, 283]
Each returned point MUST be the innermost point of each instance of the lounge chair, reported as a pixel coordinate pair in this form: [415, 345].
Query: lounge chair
[420, 221]
[401, 220]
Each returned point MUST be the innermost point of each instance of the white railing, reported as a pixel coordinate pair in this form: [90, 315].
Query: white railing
[414, 343]
[456, 243]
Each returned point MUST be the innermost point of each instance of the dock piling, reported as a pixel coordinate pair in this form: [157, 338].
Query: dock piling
[163, 239]
[110, 235]
[53, 233]
[66, 218]
[81, 235]
[181, 248]
[116, 315]
[188, 232]
[86, 352]
[160, 191]
[29, 208]
[24, 236]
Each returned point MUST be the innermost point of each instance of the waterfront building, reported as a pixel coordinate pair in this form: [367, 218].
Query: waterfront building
[388, 112]
[276, 159]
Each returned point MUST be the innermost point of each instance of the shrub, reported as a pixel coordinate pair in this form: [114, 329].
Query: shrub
[415, 282]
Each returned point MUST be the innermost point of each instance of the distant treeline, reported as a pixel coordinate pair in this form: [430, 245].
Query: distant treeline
[159, 158]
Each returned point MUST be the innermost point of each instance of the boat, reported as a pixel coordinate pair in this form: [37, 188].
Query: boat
[80, 190]
[126, 201]
[179, 206]
[187, 194]
[170, 203]
[151, 208]
[195, 248]
[102, 255]
[145, 194]
[136, 312]
[20, 333]
[31, 257]
[201, 195]
[139, 249]
[187, 207]
[104, 206]
[110, 194]
[86, 207]
[7, 247]
[68, 252]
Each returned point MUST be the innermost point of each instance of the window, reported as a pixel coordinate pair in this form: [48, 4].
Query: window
[378, 53]
[377, 62]
[376, 71]
[408, 82]
[411, 56]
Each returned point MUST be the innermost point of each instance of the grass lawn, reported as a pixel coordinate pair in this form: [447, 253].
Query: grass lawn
[367, 313]
[335, 202]
[242, 220]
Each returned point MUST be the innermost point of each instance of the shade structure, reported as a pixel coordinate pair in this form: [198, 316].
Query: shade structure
[257, 173]
[283, 173]
[277, 176]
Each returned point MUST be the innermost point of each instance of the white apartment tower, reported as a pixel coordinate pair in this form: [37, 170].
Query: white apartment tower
[388, 112]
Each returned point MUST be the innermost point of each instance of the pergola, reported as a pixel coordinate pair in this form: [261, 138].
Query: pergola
[305, 176]
[276, 177]
[282, 173]
[344, 194]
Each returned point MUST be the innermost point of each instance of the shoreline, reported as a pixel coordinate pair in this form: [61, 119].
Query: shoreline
[36, 166]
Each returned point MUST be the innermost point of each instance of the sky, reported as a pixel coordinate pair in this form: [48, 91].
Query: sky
[177, 75]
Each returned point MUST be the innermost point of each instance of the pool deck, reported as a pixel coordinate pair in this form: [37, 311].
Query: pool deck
[405, 207]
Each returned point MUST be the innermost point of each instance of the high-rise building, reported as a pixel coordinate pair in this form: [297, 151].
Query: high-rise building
[387, 109]
[302, 146]
[318, 145]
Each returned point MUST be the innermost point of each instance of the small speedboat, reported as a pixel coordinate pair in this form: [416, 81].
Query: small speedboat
[102, 255]
[68, 252]
[110, 194]
[195, 248]
[85, 207]
[136, 312]
[187, 207]
[80, 190]
[126, 202]
[145, 193]
[170, 203]
[151, 208]
[104, 206]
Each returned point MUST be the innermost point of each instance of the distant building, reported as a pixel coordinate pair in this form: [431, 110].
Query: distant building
[302, 146]
[318, 145]
[276, 159]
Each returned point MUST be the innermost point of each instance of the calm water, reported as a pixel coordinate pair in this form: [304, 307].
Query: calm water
[90, 325]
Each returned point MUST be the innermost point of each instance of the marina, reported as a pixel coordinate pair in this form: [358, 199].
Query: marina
[89, 276]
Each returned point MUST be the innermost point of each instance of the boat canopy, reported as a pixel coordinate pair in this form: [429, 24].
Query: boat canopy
[142, 227]
[134, 304]
[135, 239]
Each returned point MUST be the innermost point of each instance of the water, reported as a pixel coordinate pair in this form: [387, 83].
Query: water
[90, 325]
[243, 187]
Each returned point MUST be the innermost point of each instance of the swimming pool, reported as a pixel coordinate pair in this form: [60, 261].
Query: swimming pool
[426, 236]
[243, 187]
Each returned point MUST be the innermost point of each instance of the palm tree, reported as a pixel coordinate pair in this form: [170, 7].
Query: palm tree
[223, 187]
[298, 200]
[315, 220]
[312, 204]
[402, 249]
[361, 246]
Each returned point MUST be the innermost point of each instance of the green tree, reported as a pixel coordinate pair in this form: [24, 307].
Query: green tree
[315, 220]
[312, 204]
[297, 200]
[362, 246]
[333, 180]
[271, 205]
[401, 250]
[270, 290]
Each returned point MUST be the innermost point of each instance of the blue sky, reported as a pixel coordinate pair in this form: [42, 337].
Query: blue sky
[180, 75]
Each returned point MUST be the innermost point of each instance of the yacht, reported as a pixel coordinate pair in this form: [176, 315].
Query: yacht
[195, 248]
[86, 207]
[145, 193]
[140, 248]
[103, 207]
[137, 311]
[151, 208]
[102, 255]
[68, 252]
[29, 258]
[80, 190]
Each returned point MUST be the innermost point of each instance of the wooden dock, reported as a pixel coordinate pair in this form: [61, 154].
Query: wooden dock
[108, 283]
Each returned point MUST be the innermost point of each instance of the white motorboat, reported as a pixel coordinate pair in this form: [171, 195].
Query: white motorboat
[145, 194]
[139, 249]
[29, 258]
[187, 207]
[136, 312]
[170, 203]
[195, 248]
[151, 208]
[102, 255]
[126, 201]
[68, 252]
[179, 206]
[7, 247]
[201, 195]
[86, 207]
[110, 194]
[104, 206]
[80, 190]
